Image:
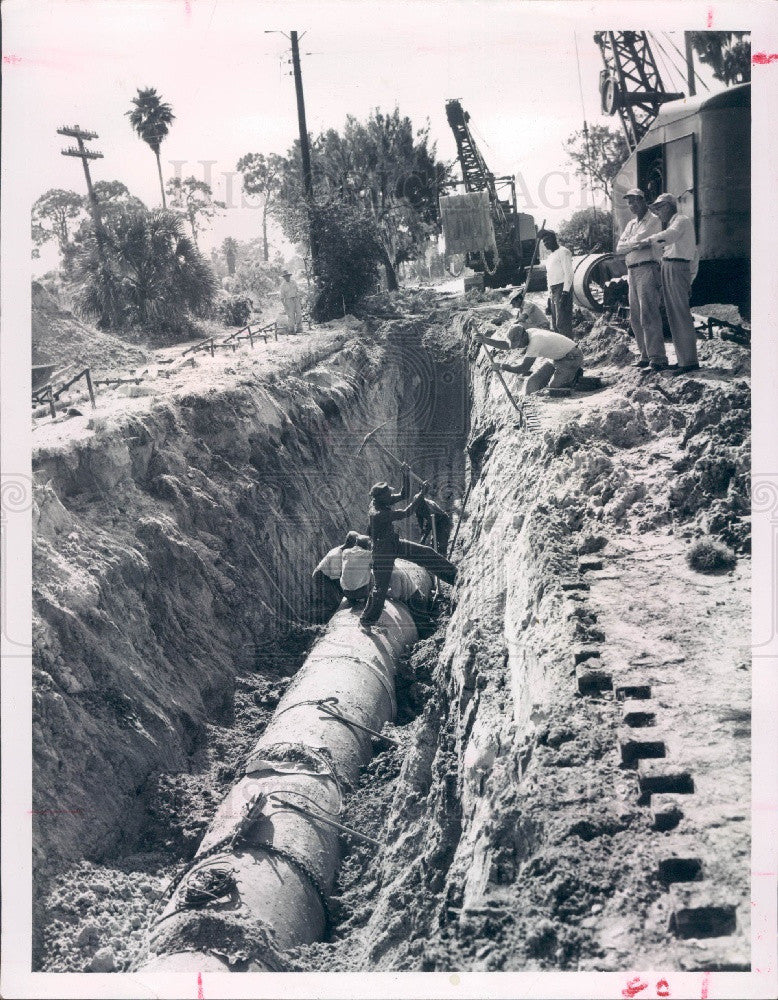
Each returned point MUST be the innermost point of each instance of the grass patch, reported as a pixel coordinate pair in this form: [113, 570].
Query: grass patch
[706, 555]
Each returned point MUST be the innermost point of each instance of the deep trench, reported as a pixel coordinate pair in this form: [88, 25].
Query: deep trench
[309, 476]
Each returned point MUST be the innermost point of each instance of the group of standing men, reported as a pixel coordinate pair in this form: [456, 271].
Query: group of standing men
[661, 256]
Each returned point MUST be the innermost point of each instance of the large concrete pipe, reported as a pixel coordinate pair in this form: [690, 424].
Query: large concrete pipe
[262, 875]
[593, 275]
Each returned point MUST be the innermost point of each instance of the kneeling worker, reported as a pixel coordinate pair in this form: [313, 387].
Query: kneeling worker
[564, 355]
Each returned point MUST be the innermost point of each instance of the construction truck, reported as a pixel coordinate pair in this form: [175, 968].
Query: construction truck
[485, 224]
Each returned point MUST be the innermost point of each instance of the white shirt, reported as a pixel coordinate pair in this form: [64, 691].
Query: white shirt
[559, 268]
[331, 564]
[532, 315]
[356, 567]
[288, 291]
[547, 344]
[638, 231]
[678, 238]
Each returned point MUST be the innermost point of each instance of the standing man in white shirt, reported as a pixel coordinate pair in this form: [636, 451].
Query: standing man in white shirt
[289, 294]
[679, 268]
[645, 283]
[559, 274]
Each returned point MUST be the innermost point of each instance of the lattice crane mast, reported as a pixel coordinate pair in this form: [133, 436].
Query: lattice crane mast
[475, 173]
[630, 84]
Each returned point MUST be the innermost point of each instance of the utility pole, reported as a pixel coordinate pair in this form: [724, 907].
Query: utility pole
[690, 63]
[85, 155]
[305, 149]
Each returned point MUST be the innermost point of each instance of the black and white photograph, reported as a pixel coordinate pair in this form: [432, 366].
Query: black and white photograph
[389, 519]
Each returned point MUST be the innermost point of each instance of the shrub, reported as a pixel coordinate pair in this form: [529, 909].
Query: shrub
[148, 274]
[234, 310]
[706, 555]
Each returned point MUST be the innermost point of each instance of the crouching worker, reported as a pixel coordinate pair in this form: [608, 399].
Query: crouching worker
[388, 546]
[565, 360]
[344, 572]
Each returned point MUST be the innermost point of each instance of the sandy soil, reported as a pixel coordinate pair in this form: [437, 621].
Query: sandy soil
[533, 851]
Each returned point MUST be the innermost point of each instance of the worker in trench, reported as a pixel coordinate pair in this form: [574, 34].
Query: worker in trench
[345, 571]
[528, 313]
[564, 364]
[428, 515]
[388, 546]
[559, 274]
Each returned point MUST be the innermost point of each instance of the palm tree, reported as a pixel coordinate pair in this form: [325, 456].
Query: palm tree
[151, 118]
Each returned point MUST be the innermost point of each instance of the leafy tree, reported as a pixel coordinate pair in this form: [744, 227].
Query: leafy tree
[193, 199]
[230, 250]
[608, 150]
[53, 215]
[384, 171]
[150, 274]
[151, 118]
[587, 231]
[114, 199]
[728, 53]
[262, 176]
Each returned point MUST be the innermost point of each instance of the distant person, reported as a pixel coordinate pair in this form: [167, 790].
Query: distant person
[387, 546]
[559, 274]
[291, 300]
[529, 314]
[679, 268]
[645, 283]
[563, 354]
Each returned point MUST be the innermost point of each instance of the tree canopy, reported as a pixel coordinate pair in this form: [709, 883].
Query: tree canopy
[151, 118]
[728, 53]
[604, 155]
[194, 200]
[587, 231]
[53, 218]
[262, 176]
[383, 176]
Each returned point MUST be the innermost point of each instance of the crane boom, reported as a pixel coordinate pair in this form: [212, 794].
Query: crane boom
[631, 84]
[475, 173]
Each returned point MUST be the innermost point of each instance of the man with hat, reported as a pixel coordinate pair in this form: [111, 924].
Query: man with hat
[388, 546]
[645, 285]
[528, 313]
[679, 268]
[290, 297]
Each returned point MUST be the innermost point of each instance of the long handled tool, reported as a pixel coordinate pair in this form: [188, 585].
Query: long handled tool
[370, 437]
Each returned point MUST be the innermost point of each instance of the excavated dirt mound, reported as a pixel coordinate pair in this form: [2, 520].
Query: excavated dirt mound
[58, 337]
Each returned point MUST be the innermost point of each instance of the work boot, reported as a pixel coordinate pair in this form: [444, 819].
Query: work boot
[641, 363]
[659, 366]
[683, 369]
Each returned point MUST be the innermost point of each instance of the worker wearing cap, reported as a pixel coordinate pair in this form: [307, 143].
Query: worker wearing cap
[559, 274]
[290, 297]
[529, 313]
[564, 358]
[679, 268]
[645, 283]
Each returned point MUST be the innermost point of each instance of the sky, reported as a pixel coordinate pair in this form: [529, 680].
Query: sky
[514, 66]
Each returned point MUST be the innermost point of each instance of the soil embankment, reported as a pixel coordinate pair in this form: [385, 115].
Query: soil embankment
[174, 544]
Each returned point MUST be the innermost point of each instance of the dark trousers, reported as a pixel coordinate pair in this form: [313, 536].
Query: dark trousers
[383, 564]
[562, 310]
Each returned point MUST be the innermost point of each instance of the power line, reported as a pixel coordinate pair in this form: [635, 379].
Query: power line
[699, 78]
[585, 124]
[680, 73]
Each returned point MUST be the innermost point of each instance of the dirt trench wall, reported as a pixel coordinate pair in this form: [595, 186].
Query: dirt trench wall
[513, 836]
[171, 543]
